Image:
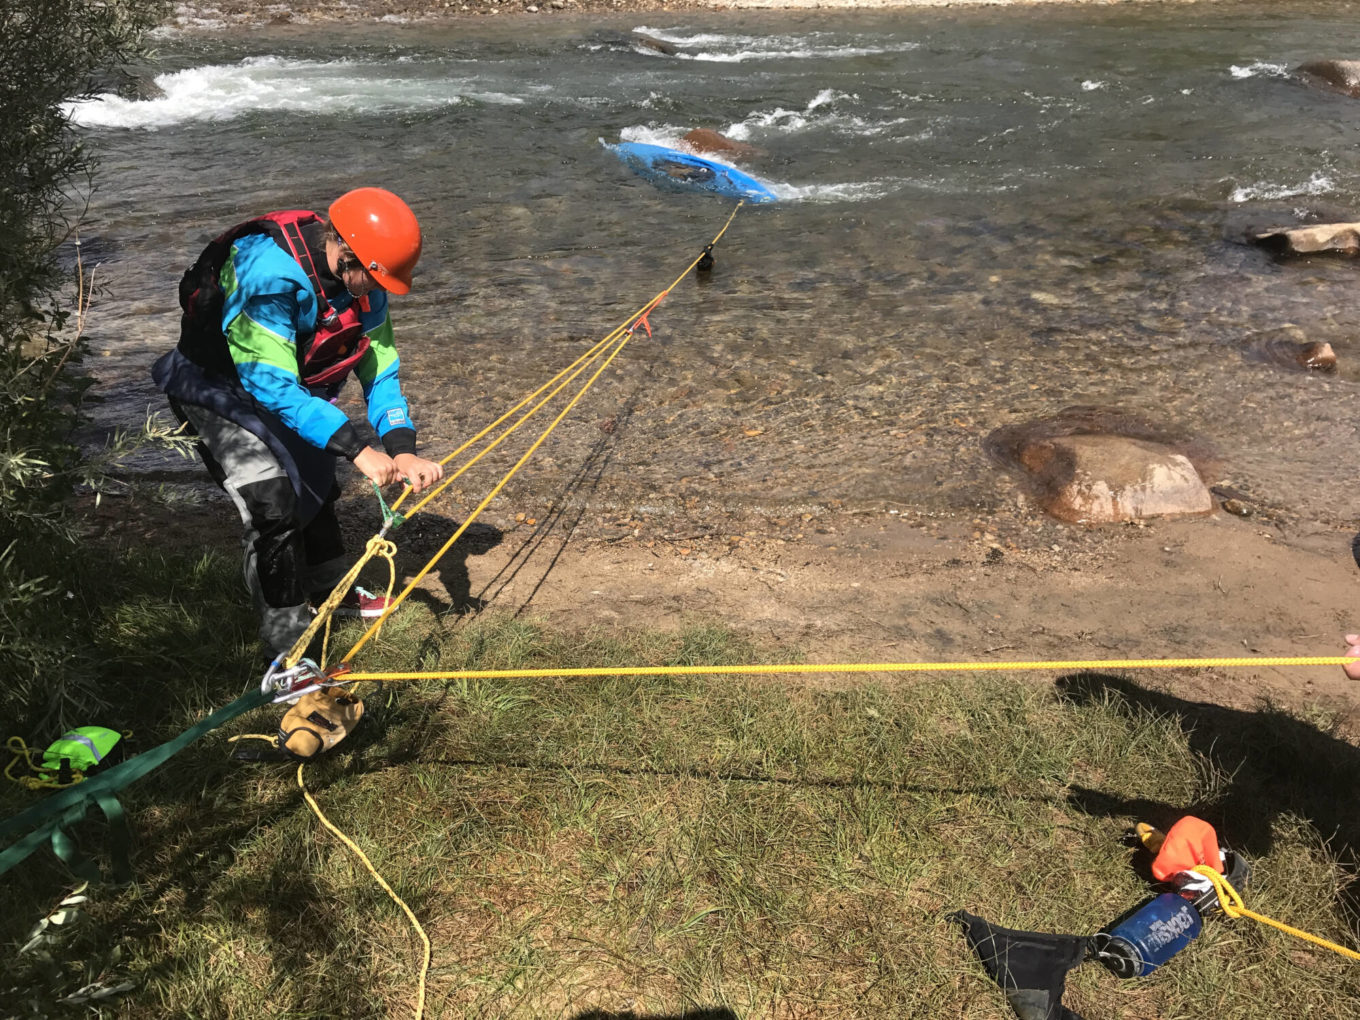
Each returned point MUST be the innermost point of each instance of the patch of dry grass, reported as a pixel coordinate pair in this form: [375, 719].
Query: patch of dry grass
[653, 846]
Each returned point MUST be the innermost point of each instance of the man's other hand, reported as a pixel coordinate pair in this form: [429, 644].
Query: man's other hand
[377, 466]
[419, 473]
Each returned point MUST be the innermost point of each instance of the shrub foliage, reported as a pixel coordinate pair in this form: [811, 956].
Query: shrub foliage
[51, 52]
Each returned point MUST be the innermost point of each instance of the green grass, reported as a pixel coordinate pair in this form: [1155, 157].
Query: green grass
[648, 846]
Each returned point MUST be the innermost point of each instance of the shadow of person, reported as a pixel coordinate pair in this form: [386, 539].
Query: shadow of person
[421, 538]
[702, 1013]
[1275, 765]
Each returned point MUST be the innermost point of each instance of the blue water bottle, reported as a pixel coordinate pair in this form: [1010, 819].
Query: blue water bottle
[1150, 936]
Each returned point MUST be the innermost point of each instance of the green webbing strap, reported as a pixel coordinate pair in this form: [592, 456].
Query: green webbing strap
[120, 841]
[391, 519]
[51, 815]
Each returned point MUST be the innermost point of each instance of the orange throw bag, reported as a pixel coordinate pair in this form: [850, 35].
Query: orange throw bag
[1189, 842]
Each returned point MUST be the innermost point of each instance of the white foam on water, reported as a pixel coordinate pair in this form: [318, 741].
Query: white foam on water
[861, 191]
[668, 136]
[872, 190]
[735, 49]
[1261, 68]
[1318, 184]
[1090, 85]
[828, 110]
[823, 112]
[220, 92]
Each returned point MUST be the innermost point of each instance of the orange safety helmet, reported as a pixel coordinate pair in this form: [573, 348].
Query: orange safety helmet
[381, 229]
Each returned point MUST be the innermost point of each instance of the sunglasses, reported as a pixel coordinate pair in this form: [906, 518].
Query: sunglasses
[349, 261]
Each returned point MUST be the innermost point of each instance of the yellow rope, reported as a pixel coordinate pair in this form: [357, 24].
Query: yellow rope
[614, 345]
[1231, 902]
[377, 547]
[410, 916]
[765, 669]
[486, 501]
[557, 383]
[575, 367]
[43, 780]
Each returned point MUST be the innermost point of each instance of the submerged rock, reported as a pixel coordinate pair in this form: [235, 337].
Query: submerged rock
[1339, 75]
[1316, 356]
[1104, 479]
[1312, 356]
[703, 140]
[1099, 466]
[1289, 347]
[1342, 238]
[133, 82]
[651, 43]
[629, 42]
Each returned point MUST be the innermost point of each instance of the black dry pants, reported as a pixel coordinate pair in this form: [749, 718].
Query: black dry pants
[286, 559]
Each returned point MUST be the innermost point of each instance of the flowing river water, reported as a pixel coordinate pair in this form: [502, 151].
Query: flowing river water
[986, 215]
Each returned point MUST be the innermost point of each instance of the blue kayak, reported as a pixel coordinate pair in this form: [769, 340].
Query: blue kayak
[679, 171]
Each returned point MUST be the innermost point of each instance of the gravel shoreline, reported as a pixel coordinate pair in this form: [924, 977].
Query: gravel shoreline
[211, 14]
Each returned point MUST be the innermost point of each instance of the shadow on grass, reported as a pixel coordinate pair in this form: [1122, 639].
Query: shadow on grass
[307, 923]
[1275, 765]
[703, 1013]
[402, 758]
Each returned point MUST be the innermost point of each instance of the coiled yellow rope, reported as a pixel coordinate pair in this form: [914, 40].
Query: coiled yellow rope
[43, 780]
[1231, 902]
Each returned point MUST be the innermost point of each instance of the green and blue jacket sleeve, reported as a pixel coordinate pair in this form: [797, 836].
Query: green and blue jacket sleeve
[268, 302]
[377, 373]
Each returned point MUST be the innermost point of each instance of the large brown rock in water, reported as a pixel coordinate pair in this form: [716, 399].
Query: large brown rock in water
[703, 140]
[1341, 75]
[1101, 479]
[1342, 238]
[660, 45]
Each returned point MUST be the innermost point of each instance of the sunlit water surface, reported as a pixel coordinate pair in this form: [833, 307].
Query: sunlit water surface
[986, 215]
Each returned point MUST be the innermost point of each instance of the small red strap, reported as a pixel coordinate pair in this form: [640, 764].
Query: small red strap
[641, 320]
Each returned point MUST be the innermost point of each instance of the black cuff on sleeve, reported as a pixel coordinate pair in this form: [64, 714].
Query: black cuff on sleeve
[399, 441]
[345, 442]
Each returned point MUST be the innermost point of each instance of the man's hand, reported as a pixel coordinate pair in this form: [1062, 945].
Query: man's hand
[1352, 670]
[377, 466]
[419, 473]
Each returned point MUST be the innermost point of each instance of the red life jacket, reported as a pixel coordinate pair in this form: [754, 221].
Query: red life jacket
[325, 356]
